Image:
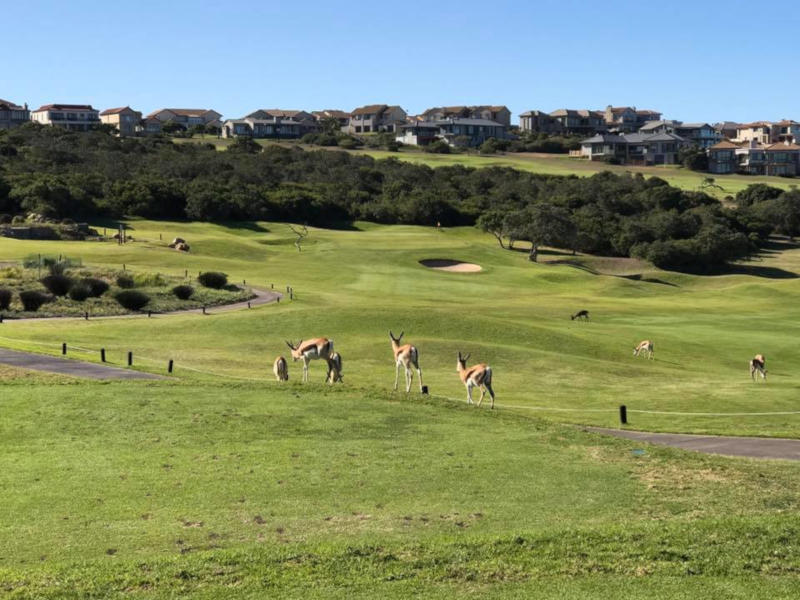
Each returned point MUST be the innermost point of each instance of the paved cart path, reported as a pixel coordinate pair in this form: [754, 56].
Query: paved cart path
[714, 444]
[63, 366]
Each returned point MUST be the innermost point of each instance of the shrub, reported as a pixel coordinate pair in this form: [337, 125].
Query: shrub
[437, 147]
[148, 280]
[32, 299]
[5, 298]
[132, 299]
[80, 291]
[58, 285]
[213, 280]
[97, 287]
[125, 281]
[347, 143]
[183, 292]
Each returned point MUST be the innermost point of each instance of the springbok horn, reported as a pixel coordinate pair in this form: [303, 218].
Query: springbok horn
[400, 337]
[288, 343]
[466, 358]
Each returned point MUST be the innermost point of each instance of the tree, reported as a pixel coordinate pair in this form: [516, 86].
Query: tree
[330, 125]
[171, 127]
[693, 158]
[492, 221]
[550, 225]
[758, 192]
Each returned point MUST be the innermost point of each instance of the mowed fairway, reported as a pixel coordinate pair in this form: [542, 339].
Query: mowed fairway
[224, 483]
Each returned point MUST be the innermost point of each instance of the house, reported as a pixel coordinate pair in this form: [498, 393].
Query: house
[125, 119]
[184, 117]
[376, 117]
[579, 122]
[537, 121]
[274, 127]
[340, 115]
[627, 119]
[77, 117]
[13, 115]
[722, 157]
[702, 135]
[782, 159]
[498, 114]
[635, 148]
[759, 131]
[727, 129]
[304, 121]
[786, 130]
[456, 132]
[659, 126]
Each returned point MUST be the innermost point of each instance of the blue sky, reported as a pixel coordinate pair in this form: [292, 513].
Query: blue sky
[699, 60]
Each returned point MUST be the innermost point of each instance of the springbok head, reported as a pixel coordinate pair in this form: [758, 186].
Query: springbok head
[296, 354]
[462, 362]
[397, 339]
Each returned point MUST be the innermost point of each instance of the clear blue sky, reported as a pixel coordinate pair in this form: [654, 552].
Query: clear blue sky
[698, 60]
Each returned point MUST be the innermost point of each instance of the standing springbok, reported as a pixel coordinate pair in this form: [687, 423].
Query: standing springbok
[281, 369]
[405, 356]
[645, 346]
[318, 348]
[335, 368]
[758, 366]
[479, 376]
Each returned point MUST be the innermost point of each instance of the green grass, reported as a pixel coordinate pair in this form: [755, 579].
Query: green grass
[550, 164]
[222, 482]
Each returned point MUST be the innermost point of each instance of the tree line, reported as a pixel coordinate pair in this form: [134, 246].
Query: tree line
[62, 174]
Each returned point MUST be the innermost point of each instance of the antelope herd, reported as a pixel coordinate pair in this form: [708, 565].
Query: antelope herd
[406, 357]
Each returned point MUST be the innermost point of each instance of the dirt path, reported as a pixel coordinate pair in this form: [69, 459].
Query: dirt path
[261, 297]
[74, 368]
[714, 444]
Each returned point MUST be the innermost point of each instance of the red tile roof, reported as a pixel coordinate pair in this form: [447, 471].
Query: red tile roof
[116, 111]
[64, 107]
[10, 104]
[370, 109]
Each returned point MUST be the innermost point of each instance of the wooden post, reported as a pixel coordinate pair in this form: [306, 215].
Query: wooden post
[160, 236]
[102, 355]
[272, 286]
[244, 282]
[64, 348]
[130, 358]
[204, 309]
[623, 414]
[86, 315]
[169, 366]
[123, 266]
[149, 313]
[185, 273]
[248, 306]
[1, 318]
[425, 389]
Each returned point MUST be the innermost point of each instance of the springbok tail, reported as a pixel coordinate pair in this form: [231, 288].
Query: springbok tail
[487, 381]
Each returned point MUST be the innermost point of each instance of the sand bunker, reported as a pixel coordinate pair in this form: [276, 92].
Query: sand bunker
[447, 264]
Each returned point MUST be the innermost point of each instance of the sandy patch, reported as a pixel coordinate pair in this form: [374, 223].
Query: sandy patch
[447, 264]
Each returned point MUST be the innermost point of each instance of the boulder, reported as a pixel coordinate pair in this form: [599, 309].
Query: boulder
[182, 247]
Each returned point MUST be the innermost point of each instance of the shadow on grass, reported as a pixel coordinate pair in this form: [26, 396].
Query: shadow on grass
[638, 277]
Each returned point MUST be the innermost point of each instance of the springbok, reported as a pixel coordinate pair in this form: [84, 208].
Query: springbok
[758, 366]
[281, 369]
[405, 356]
[581, 314]
[645, 346]
[318, 348]
[335, 368]
[479, 376]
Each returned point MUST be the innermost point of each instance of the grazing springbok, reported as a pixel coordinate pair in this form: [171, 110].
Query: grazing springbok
[645, 346]
[318, 348]
[758, 366]
[581, 314]
[479, 376]
[405, 356]
[335, 368]
[281, 369]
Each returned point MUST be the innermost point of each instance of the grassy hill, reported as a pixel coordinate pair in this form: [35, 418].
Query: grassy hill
[224, 483]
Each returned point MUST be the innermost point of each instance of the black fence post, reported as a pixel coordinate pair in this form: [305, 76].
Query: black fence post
[64, 348]
[1, 318]
[86, 315]
[424, 389]
[204, 309]
[169, 366]
[248, 306]
[623, 414]
[130, 358]
[102, 355]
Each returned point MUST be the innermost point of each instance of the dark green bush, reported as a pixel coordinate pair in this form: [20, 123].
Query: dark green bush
[58, 285]
[183, 292]
[79, 291]
[5, 298]
[97, 287]
[132, 299]
[32, 300]
[125, 282]
[213, 280]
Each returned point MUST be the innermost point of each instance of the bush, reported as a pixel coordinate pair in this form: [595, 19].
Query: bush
[58, 285]
[79, 291]
[438, 147]
[5, 298]
[97, 287]
[183, 292]
[348, 143]
[148, 280]
[132, 299]
[213, 280]
[125, 282]
[32, 300]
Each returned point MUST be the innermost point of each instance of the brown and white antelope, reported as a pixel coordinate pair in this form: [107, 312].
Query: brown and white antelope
[281, 369]
[645, 346]
[335, 368]
[318, 348]
[479, 376]
[405, 356]
[758, 366]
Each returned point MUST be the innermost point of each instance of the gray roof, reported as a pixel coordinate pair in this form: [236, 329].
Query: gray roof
[694, 125]
[484, 122]
[604, 137]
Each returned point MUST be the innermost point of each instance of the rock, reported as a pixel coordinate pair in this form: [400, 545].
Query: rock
[182, 247]
[177, 241]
